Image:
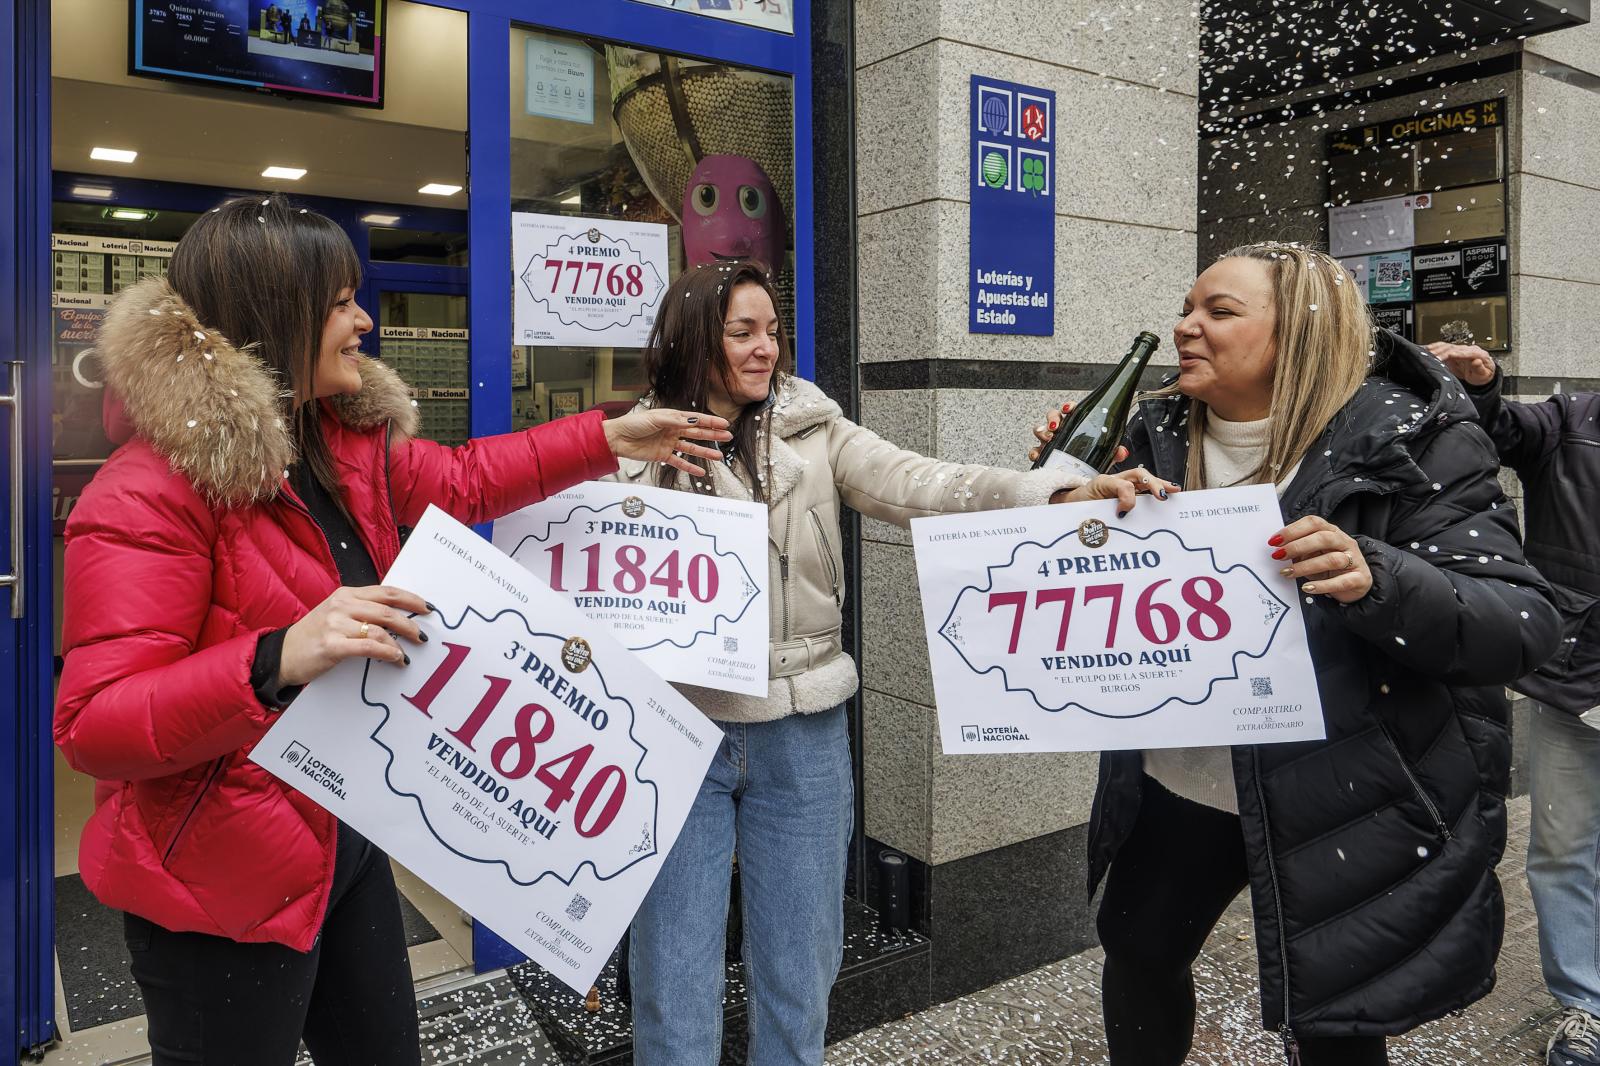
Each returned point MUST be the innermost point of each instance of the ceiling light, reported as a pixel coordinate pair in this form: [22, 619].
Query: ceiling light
[284, 173]
[380, 220]
[128, 214]
[575, 199]
[92, 192]
[113, 155]
[433, 188]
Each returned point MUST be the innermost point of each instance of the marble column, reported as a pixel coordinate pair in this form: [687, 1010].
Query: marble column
[999, 838]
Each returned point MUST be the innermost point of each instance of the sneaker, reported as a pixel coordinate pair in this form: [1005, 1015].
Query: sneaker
[1576, 1041]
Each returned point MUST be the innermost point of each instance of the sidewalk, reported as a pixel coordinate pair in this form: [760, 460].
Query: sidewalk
[1051, 1017]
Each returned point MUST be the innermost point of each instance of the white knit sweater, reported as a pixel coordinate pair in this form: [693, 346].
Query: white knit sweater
[1205, 775]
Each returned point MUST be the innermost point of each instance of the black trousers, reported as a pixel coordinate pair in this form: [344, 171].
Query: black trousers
[1178, 871]
[212, 1000]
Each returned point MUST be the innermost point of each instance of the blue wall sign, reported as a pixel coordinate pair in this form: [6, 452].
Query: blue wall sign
[1012, 283]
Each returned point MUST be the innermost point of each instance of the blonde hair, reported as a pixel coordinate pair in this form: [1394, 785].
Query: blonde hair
[1324, 349]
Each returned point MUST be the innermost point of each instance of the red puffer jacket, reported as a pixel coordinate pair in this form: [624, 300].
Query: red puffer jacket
[184, 549]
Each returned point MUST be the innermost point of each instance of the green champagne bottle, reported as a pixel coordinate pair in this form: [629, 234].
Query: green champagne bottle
[1086, 442]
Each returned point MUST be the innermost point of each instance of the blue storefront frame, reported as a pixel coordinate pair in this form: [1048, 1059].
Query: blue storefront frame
[26, 191]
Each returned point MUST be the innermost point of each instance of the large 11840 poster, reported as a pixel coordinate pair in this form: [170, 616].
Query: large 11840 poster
[1066, 628]
[523, 763]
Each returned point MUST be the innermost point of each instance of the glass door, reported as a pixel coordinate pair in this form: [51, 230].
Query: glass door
[393, 177]
[26, 962]
[653, 160]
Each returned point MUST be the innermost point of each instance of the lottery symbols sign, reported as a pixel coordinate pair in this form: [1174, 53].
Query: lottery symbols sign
[523, 760]
[1068, 629]
[1012, 232]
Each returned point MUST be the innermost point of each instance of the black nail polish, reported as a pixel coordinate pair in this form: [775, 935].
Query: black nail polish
[423, 637]
[431, 608]
[1162, 493]
[406, 657]
[1122, 514]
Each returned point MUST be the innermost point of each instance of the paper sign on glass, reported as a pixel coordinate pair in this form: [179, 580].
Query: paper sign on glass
[524, 764]
[586, 282]
[1065, 628]
[680, 578]
[1371, 226]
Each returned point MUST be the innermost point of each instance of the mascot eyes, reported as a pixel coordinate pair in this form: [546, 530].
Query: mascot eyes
[704, 198]
[751, 202]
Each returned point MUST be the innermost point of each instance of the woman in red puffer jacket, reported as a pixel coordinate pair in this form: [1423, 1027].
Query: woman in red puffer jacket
[229, 553]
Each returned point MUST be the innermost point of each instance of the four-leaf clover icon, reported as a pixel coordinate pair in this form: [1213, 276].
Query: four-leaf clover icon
[1033, 174]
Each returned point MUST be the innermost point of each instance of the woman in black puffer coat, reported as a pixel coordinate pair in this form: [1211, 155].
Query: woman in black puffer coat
[1369, 855]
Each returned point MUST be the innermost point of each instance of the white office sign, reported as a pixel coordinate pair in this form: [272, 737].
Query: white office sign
[586, 282]
[1371, 226]
[680, 578]
[765, 14]
[524, 764]
[1065, 628]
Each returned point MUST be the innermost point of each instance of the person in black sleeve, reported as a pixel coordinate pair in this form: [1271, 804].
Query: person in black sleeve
[1554, 446]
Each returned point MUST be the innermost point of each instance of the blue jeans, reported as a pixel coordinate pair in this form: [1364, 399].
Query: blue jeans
[1564, 854]
[780, 793]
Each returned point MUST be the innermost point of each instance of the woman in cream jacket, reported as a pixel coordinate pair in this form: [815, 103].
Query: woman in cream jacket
[779, 788]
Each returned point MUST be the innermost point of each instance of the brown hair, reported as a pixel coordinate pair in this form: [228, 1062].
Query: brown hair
[1324, 343]
[267, 275]
[685, 349]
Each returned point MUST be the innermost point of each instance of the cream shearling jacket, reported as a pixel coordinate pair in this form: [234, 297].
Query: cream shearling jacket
[820, 460]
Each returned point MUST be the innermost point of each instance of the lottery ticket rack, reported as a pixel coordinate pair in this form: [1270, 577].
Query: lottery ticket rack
[433, 361]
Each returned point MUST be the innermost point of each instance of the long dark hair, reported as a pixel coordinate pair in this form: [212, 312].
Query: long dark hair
[685, 354]
[267, 275]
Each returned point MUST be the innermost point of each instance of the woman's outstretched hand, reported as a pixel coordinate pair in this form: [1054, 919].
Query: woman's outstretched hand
[1124, 487]
[1047, 429]
[664, 436]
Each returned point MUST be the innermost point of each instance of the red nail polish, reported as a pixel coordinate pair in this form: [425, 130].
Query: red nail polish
[1279, 554]
[1275, 540]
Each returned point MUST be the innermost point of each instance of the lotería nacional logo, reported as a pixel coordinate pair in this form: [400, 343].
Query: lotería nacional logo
[576, 654]
[969, 734]
[1093, 533]
[633, 507]
[593, 234]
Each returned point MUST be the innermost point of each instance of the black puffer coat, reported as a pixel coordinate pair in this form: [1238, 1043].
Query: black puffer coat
[1554, 446]
[1372, 853]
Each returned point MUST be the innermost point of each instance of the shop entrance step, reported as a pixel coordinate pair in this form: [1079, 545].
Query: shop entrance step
[883, 976]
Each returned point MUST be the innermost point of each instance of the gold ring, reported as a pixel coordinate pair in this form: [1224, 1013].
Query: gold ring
[1349, 561]
[366, 627]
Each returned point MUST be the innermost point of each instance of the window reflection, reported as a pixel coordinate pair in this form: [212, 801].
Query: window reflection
[600, 131]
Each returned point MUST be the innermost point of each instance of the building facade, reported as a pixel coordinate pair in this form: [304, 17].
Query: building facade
[1181, 129]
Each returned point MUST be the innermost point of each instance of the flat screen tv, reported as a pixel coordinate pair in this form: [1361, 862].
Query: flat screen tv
[328, 49]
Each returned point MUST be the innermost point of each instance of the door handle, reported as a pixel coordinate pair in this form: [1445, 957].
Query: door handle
[13, 400]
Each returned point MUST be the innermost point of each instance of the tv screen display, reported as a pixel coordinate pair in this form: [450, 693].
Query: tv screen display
[328, 49]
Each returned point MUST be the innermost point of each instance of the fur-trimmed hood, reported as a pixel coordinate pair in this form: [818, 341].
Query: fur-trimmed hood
[214, 411]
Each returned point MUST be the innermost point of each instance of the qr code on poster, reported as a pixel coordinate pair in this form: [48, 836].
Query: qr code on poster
[1391, 273]
[730, 645]
[577, 908]
[1260, 687]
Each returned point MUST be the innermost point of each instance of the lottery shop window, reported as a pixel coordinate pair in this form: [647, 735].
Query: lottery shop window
[627, 165]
